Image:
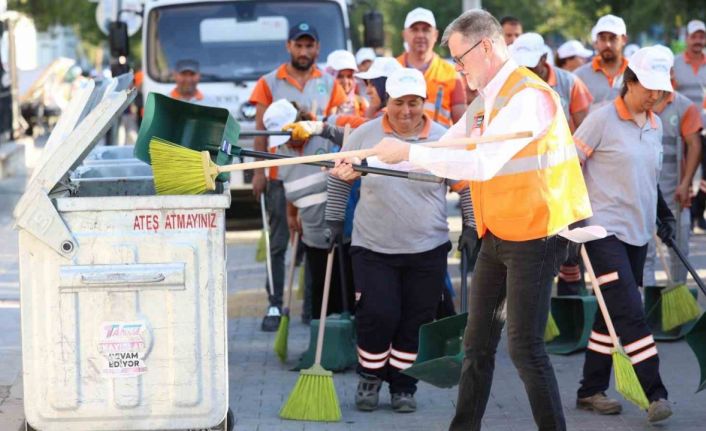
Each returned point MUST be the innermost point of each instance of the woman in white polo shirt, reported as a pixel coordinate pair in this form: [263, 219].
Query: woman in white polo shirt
[620, 146]
[399, 245]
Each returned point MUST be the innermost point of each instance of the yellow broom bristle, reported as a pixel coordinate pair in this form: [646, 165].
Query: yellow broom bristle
[179, 170]
[626, 382]
[552, 330]
[280, 346]
[678, 307]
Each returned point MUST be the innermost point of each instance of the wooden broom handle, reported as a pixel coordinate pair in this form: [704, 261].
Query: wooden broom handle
[292, 268]
[599, 297]
[660, 253]
[362, 154]
[463, 142]
[324, 307]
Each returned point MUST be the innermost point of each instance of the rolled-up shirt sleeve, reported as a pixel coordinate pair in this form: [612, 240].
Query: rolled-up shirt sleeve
[529, 110]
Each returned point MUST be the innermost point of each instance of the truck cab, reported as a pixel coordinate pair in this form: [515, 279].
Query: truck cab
[235, 42]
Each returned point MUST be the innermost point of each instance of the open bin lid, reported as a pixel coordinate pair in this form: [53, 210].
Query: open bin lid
[35, 211]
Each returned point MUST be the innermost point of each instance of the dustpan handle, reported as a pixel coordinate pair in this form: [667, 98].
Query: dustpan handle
[292, 268]
[689, 267]
[324, 307]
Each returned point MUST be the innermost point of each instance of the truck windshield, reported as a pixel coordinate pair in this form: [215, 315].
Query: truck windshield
[236, 40]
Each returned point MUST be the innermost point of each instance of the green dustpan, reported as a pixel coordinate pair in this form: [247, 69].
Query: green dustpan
[193, 126]
[339, 352]
[653, 312]
[574, 315]
[440, 353]
[696, 338]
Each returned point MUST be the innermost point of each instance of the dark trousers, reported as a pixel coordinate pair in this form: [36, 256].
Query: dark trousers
[699, 203]
[279, 238]
[316, 263]
[517, 275]
[618, 267]
[396, 294]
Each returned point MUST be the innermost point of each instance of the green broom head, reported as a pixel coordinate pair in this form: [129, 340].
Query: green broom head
[178, 170]
[313, 397]
[678, 307]
[552, 330]
[626, 381]
[281, 337]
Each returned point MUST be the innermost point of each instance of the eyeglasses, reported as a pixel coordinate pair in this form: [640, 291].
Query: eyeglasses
[458, 60]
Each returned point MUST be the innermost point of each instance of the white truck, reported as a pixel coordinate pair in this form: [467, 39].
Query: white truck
[235, 43]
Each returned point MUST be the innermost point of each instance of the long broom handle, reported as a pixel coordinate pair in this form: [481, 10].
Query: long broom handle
[660, 254]
[366, 153]
[248, 133]
[324, 307]
[296, 160]
[292, 267]
[266, 228]
[599, 297]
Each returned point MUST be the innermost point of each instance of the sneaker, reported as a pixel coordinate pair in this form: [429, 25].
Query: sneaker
[403, 403]
[600, 404]
[368, 394]
[270, 323]
[659, 410]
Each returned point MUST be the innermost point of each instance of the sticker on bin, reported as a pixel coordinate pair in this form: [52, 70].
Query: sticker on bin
[174, 221]
[124, 346]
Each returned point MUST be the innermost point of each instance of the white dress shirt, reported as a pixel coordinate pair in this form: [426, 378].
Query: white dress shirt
[528, 110]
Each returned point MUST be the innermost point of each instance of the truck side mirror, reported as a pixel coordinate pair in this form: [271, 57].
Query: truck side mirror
[374, 34]
[118, 39]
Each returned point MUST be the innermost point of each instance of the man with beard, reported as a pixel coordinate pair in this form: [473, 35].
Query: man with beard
[298, 81]
[690, 76]
[604, 75]
[446, 96]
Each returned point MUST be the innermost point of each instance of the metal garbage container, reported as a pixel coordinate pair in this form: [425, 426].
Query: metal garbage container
[123, 297]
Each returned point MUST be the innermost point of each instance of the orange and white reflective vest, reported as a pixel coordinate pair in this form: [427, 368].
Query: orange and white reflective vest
[441, 80]
[541, 190]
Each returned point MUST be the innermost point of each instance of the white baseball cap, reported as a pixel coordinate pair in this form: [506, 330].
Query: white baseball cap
[527, 49]
[652, 65]
[630, 49]
[573, 48]
[667, 52]
[341, 59]
[365, 54]
[381, 67]
[276, 116]
[611, 24]
[419, 15]
[405, 82]
[694, 26]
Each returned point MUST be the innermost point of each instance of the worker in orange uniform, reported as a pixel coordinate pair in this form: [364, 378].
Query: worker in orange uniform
[187, 76]
[446, 96]
[524, 191]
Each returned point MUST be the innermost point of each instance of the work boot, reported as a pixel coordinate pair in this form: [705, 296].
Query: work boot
[403, 402]
[368, 394]
[600, 404]
[659, 410]
[270, 322]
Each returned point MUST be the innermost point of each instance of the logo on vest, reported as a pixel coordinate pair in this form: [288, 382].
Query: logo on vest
[673, 120]
[321, 88]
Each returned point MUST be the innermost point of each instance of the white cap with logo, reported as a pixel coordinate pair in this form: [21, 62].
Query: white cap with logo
[610, 24]
[365, 54]
[573, 48]
[406, 82]
[276, 116]
[419, 15]
[695, 25]
[381, 67]
[341, 59]
[652, 65]
[528, 49]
